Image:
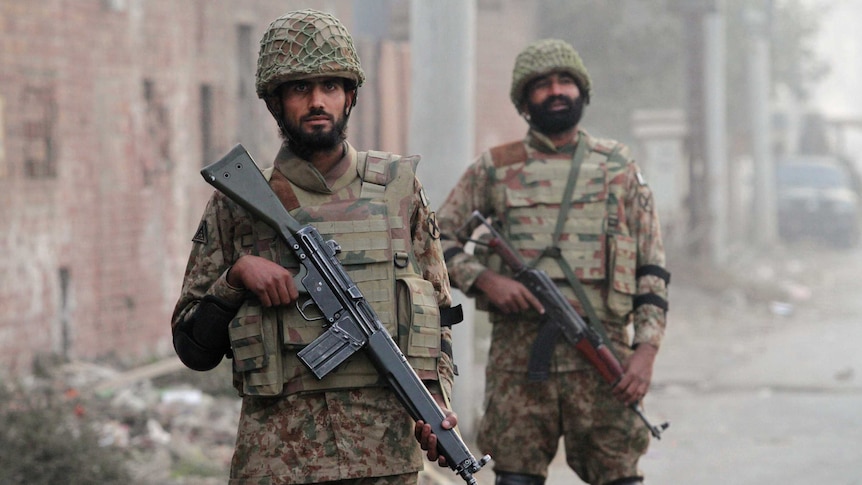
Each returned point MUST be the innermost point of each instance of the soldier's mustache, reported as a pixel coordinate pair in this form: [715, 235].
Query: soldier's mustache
[318, 112]
[569, 102]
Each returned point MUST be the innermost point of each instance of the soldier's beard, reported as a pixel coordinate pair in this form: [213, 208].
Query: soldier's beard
[319, 139]
[552, 122]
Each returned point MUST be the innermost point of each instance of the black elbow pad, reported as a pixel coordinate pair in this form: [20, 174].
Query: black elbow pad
[209, 323]
[193, 355]
[201, 340]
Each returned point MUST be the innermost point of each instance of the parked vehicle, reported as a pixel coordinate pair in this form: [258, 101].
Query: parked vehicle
[818, 197]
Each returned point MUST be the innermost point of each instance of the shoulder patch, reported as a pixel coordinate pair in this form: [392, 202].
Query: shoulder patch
[201, 234]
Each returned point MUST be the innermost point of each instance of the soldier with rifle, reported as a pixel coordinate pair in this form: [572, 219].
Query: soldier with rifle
[573, 227]
[383, 287]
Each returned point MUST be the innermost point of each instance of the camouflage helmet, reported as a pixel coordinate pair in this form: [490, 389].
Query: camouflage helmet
[544, 57]
[305, 44]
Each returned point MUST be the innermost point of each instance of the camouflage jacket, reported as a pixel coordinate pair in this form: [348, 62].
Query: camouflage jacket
[611, 239]
[323, 435]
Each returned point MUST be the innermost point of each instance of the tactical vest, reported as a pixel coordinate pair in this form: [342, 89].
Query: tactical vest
[595, 238]
[374, 233]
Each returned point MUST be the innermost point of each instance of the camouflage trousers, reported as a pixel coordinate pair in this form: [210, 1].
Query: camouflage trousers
[404, 479]
[524, 421]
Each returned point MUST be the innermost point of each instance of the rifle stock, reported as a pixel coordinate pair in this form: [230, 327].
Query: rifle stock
[352, 323]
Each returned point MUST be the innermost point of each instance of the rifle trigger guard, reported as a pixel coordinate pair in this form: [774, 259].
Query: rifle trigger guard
[307, 303]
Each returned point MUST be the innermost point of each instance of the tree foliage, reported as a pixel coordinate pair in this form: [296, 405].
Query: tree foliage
[636, 53]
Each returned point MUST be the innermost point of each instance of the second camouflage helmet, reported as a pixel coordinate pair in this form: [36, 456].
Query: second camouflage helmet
[304, 44]
[544, 57]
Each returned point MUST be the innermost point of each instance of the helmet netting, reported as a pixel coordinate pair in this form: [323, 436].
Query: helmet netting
[304, 44]
[544, 57]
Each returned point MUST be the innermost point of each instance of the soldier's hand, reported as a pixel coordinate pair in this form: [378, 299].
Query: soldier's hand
[428, 440]
[272, 283]
[637, 376]
[508, 295]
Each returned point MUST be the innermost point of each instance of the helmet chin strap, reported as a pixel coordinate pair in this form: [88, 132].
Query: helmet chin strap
[274, 106]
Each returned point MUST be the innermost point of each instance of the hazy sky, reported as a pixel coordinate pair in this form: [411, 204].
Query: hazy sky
[838, 96]
[841, 44]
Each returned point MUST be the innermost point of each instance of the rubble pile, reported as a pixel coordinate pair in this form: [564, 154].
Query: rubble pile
[176, 435]
[164, 423]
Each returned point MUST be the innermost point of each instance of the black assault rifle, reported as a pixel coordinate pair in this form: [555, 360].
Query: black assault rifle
[352, 323]
[560, 318]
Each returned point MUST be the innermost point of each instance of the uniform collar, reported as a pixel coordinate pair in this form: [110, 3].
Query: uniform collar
[542, 143]
[304, 175]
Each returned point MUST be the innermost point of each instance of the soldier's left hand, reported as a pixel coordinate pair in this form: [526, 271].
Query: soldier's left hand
[428, 440]
[637, 376]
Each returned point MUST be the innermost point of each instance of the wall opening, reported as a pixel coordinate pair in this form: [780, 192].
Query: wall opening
[39, 118]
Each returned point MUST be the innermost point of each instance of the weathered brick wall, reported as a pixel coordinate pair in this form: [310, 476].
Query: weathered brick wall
[101, 141]
[108, 92]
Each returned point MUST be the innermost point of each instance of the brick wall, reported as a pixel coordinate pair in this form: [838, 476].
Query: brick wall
[102, 133]
[102, 143]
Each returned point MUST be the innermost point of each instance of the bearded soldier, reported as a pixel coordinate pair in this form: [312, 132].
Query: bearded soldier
[239, 296]
[576, 207]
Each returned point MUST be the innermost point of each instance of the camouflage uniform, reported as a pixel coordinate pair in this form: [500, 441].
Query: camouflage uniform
[611, 240]
[349, 431]
[293, 427]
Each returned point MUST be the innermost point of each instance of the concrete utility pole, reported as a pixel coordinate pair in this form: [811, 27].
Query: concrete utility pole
[764, 210]
[716, 128]
[442, 47]
[703, 22]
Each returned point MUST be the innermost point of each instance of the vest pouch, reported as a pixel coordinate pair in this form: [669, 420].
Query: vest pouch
[256, 357]
[622, 254]
[419, 323]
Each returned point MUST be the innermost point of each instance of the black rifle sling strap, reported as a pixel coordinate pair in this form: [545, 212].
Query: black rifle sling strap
[540, 356]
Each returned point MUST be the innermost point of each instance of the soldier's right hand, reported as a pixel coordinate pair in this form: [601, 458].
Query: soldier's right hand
[508, 295]
[272, 283]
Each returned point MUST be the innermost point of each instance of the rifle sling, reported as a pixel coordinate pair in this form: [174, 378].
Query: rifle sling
[543, 347]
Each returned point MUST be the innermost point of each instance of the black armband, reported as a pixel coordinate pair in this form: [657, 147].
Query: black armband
[201, 340]
[446, 348]
[653, 270]
[451, 315]
[650, 299]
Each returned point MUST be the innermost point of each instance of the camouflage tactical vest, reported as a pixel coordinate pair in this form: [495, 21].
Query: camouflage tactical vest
[595, 240]
[374, 233]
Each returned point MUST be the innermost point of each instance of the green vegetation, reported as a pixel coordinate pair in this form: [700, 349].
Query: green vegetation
[47, 439]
